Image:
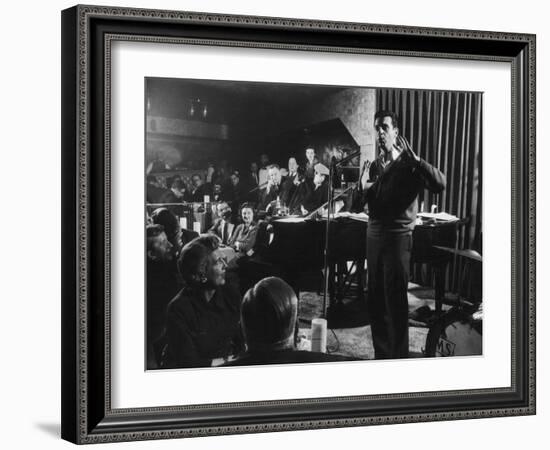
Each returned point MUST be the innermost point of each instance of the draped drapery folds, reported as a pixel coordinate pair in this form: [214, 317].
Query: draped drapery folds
[445, 129]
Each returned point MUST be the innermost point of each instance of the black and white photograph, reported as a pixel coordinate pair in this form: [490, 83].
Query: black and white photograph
[275, 222]
[307, 223]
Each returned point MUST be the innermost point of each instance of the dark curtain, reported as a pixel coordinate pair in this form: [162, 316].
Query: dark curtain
[444, 128]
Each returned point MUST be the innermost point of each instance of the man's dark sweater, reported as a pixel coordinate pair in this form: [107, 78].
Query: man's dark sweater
[392, 199]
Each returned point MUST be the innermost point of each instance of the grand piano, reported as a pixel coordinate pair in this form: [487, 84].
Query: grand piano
[296, 245]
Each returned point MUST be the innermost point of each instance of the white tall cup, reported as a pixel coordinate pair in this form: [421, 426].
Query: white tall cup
[197, 227]
[319, 335]
[183, 223]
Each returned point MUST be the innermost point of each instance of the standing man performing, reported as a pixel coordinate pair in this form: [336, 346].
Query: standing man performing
[395, 179]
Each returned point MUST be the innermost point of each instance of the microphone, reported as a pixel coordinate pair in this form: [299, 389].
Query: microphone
[348, 158]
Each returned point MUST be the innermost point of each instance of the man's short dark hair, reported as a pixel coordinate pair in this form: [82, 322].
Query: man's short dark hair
[387, 113]
[168, 221]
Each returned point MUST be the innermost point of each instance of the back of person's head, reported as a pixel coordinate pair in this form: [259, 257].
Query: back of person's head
[268, 315]
[167, 219]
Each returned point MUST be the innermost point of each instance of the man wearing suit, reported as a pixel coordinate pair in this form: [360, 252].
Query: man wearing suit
[289, 183]
[311, 162]
[223, 226]
[300, 193]
[319, 194]
[263, 174]
[163, 283]
[199, 189]
[274, 189]
[234, 192]
[156, 193]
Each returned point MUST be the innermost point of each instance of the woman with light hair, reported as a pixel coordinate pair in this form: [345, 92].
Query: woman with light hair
[202, 321]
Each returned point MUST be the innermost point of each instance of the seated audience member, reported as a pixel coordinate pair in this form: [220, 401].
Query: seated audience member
[202, 321]
[163, 283]
[292, 169]
[268, 320]
[274, 189]
[175, 195]
[223, 226]
[319, 194]
[210, 173]
[155, 192]
[244, 237]
[198, 188]
[262, 173]
[221, 175]
[311, 161]
[300, 193]
[252, 180]
[234, 192]
[179, 189]
[217, 195]
[289, 181]
[176, 235]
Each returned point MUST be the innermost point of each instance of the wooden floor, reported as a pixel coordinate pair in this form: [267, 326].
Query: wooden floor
[356, 341]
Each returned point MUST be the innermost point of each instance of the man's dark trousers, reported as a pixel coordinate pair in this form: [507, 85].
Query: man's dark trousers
[388, 259]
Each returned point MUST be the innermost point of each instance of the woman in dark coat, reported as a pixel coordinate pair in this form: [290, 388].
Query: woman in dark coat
[202, 321]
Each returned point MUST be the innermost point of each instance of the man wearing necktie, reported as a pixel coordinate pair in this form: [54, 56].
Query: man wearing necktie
[290, 182]
[223, 226]
[272, 190]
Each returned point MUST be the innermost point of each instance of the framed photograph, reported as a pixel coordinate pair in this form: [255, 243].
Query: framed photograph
[281, 224]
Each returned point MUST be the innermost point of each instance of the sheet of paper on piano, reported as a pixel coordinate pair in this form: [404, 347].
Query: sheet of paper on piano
[292, 219]
[442, 216]
[363, 217]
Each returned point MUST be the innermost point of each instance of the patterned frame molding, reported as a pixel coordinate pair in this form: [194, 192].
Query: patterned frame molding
[87, 34]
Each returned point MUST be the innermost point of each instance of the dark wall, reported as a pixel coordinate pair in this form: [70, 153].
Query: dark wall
[192, 123]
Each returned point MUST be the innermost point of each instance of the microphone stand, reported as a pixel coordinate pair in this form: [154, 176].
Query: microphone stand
[333, 166]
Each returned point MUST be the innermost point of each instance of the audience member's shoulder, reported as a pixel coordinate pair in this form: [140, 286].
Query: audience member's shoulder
[182, 302]
[231, 289]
